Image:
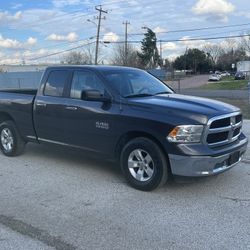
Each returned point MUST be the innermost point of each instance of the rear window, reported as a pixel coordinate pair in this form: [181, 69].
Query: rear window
[56, 82]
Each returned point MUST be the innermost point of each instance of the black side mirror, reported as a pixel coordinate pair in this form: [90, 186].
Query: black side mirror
[94, 95]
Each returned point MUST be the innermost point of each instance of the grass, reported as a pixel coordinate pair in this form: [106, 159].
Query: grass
[226, 83]
[243, 104]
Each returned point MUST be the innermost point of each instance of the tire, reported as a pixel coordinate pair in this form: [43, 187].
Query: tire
[144, 165]
[11, 143]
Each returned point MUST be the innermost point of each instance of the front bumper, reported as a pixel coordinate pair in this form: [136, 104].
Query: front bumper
[187, 165]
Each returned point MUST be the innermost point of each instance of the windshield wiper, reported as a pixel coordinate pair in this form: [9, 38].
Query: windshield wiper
[138, 95]
[164, 92]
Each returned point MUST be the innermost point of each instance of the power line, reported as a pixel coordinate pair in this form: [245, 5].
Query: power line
[195, 29]
[219, 33]
[59, 52]
[71, 13]
[117, 2]
[36, 23]
[206, 38]
[189, 30]
[184, 40]
[174, 40]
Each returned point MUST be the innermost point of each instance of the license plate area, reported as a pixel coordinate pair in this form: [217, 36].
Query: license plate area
[234, 158]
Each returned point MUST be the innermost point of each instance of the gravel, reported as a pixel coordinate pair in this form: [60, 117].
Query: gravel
[55, 198]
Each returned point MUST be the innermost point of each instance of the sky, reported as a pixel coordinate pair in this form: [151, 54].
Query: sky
[32, 30]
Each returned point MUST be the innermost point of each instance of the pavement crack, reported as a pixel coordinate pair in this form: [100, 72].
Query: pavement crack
[35, 233]
[235, 199]
[247, 161]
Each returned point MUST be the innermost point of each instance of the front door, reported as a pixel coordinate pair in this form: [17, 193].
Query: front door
[89, 124]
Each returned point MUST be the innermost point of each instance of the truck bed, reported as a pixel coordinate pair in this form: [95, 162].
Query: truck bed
[17, 105]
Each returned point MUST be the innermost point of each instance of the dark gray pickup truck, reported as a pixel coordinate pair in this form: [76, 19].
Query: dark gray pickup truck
[128, 115]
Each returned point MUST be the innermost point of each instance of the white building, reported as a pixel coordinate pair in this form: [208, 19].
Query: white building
[243, 66]
[22, 68]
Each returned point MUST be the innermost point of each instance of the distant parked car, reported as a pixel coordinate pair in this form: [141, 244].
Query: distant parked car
[225, 73]
[239, 76]
[214, 77]
[218, 73]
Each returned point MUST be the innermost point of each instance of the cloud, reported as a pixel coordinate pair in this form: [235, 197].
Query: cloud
[215, 8]
[5, 17]
[243, 13]
[203, 7]
[8, 43]
[63, 3]
[169, 46]
[110, 37]
[71, 37]
[31, 41]
[16, 6]
[26, 55]
[191, 44]
[173, 56]
[49, 21]
[158, 29]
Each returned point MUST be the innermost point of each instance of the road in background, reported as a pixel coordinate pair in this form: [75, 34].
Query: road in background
[189, 82]
[54, 198]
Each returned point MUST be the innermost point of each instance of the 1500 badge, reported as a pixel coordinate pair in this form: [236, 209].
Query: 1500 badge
[102, 125]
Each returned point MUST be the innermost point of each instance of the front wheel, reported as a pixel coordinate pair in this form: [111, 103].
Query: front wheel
[11, 143]
[144, 164]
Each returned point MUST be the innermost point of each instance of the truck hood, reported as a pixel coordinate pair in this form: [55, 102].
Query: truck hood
[197, 108]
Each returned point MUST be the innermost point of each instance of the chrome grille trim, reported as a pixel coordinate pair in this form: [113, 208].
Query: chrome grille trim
[230, 129]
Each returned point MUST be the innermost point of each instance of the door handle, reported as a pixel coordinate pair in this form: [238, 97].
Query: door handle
[41, 104]
[71, 108]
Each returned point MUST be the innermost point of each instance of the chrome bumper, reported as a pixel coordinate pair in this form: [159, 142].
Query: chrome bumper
[203, 165]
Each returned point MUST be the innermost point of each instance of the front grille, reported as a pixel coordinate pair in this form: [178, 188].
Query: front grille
[223, 130]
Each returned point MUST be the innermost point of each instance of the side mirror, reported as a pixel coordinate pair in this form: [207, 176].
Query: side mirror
[94, 95]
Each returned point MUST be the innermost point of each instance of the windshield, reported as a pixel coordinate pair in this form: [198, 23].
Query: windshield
[135, 83]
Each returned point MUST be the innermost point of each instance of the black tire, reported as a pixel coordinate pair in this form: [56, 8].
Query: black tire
[159, 165]
[18, 143]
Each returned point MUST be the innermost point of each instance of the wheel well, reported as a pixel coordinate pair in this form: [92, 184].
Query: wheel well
[124, 139]
[5, 117]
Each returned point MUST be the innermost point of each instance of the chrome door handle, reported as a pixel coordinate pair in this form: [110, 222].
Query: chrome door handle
[41, 104]
[71, 108]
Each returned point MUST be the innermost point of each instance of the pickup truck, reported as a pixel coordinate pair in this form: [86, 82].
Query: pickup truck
[128, 115]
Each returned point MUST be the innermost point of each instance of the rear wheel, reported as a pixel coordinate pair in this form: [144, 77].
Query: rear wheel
[144, 164]
[11, 143]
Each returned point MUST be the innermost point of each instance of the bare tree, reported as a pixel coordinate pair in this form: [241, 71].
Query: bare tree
[213, 51]
[90, 54]
[80, 57]
[245, 43]
[119, 57]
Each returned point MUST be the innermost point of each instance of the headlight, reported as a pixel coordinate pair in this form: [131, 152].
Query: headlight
[186, 133]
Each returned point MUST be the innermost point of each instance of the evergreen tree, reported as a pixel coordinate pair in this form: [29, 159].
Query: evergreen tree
[149, 57]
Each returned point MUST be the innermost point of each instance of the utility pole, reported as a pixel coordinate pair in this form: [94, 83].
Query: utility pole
[160, 50]
[126, 41]
[98, 30]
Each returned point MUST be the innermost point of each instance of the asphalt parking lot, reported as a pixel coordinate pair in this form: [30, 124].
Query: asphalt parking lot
[53, 198]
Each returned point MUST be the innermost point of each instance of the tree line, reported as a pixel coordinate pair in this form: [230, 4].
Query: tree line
[210, 57]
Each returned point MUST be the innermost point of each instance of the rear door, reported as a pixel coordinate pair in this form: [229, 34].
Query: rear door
[49, 107]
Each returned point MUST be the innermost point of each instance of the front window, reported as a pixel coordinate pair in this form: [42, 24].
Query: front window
[129, 83]
[85, 80]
